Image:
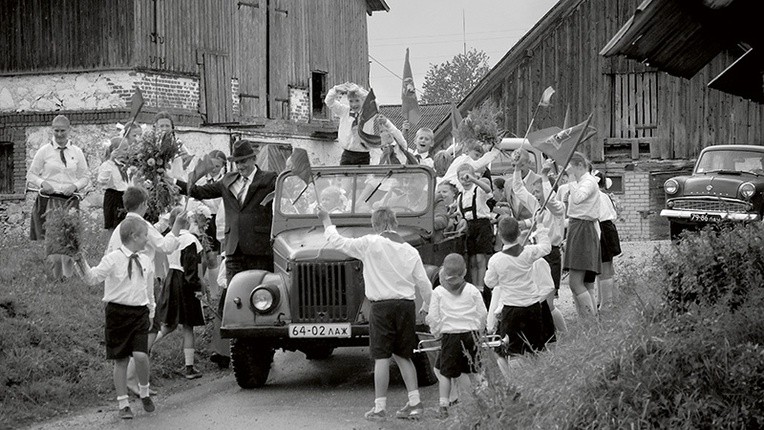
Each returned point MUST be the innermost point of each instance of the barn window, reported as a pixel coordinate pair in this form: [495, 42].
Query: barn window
[6, 168]
[635, 105]
[318, 92]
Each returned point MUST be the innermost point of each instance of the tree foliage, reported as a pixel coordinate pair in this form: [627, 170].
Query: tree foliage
[452, 80]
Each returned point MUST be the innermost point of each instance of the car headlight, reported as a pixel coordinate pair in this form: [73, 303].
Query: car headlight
[747, 190]
[671, 186]
[265, 298]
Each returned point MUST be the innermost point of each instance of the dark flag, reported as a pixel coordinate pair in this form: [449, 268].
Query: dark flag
[456, 118]
[369, 111]
[561, 144]
[301, 165]
[136, 103]
[409, 103]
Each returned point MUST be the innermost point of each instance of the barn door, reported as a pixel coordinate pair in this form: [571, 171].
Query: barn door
[217, 106]
[252, 57]
[279, 58]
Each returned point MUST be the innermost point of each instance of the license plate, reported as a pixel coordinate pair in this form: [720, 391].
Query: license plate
[705, 217]
[320, 330]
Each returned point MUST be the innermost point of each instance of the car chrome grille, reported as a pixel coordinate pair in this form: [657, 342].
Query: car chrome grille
[711, 205]
[326, 291]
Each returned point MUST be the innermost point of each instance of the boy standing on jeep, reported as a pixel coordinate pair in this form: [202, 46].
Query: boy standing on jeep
[392, 272]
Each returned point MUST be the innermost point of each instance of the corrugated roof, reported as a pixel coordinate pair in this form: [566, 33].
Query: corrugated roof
[432, 115]
[376, 6]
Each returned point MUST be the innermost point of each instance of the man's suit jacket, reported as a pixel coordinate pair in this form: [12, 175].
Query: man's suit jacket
[247, 225]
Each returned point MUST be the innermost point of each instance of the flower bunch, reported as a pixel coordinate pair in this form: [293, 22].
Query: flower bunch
[150, 157]
[481, 124]
[199, 219]
[63, 231]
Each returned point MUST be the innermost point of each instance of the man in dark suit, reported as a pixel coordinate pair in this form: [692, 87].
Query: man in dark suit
[248, 213]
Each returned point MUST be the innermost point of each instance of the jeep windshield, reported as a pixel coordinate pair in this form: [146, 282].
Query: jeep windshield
[732, 162]
[352, 193]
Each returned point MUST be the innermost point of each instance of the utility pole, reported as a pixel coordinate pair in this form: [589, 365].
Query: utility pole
[464, 32]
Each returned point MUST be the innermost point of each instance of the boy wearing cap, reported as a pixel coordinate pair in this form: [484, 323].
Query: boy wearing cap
[457, 314]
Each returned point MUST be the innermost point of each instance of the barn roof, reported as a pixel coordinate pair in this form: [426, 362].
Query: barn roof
[376, 6]
[432, 114]
[681, 37]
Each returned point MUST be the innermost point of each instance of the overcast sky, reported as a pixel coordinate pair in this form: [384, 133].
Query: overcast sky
[433, 32]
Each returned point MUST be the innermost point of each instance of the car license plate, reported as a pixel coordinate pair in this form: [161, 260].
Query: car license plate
[705, 217]
[320, 330]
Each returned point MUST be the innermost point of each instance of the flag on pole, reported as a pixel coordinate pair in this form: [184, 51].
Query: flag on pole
[409, 105]
[301, 165]
[546, 97]
[369, 111]
[456, 117]
[560, 145]
[136, 103]
[566, 121]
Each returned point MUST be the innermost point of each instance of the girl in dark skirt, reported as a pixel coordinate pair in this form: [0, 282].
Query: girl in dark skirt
[178, 302]
[582, 252]
[610, 244]
[112, 176]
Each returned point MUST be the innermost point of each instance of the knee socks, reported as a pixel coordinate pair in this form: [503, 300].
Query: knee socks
[585, 305]
[188, 353]
[559, 321]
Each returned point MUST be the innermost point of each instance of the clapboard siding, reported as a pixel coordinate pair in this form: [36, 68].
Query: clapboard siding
[562, 50]
[50, 35]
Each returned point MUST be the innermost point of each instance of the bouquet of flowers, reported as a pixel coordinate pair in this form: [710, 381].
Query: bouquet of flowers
[63, 233]
[481, 124]
[152, 154]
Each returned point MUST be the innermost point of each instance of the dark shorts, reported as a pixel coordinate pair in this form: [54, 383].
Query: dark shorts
[126, 331]
[354, 158]
[555, 264]
[458, 354]
[610, 244]
[525, 328]
[479, 237]
[113, 208]
[392, 329]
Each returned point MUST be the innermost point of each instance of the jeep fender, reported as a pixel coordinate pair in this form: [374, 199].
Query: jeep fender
[238, 311]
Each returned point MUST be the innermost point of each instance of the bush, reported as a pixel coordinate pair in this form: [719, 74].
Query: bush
[714, 266]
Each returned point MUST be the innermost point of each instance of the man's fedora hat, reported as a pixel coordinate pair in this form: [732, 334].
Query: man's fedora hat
[242, 150]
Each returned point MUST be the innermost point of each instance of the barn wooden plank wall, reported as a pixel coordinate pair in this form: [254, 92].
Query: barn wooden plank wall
[49, 35]
[677, 117]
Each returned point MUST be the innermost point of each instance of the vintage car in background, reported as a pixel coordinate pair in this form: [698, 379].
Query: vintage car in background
[314, 301]
[726, 185]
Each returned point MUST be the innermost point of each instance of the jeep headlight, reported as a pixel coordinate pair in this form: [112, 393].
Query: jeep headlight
[671, 186]
[265, 298]
[747, 190]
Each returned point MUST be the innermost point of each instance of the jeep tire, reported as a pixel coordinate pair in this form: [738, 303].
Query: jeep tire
[251, 363]
[425, 374]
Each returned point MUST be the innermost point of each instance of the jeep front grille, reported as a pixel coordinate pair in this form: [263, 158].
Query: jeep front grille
[711, 206]
[326, 292]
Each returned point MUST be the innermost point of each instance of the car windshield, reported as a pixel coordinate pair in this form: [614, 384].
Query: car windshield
[354, 194]
[732, 160]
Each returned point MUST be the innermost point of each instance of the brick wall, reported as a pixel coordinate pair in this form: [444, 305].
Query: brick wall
[634, 219]
[299, 104]
[16, 135]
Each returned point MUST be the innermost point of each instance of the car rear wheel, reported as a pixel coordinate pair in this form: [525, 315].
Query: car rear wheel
[251, 363]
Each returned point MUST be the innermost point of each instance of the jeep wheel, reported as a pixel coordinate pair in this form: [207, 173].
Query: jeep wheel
[425, 374]
[319, 352]
[251, 363]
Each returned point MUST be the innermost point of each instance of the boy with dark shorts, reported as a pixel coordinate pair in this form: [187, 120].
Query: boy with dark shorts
[458, 315]
[128, 278]
[392, 273]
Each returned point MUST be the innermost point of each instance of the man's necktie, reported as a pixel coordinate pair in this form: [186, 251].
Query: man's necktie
[137, 260]
[61, 153]
[243, 191]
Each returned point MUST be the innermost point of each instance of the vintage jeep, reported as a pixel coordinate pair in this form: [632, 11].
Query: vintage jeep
[315, 302]
[726, 185]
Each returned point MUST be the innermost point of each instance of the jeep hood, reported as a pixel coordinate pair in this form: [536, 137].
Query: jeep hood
[721, 186]
[303, 244]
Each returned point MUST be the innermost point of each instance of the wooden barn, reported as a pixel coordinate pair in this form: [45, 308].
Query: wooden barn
[224, 69]
[649, 123]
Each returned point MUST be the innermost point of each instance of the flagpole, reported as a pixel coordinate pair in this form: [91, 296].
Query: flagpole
[535, 112]
[559, 176]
